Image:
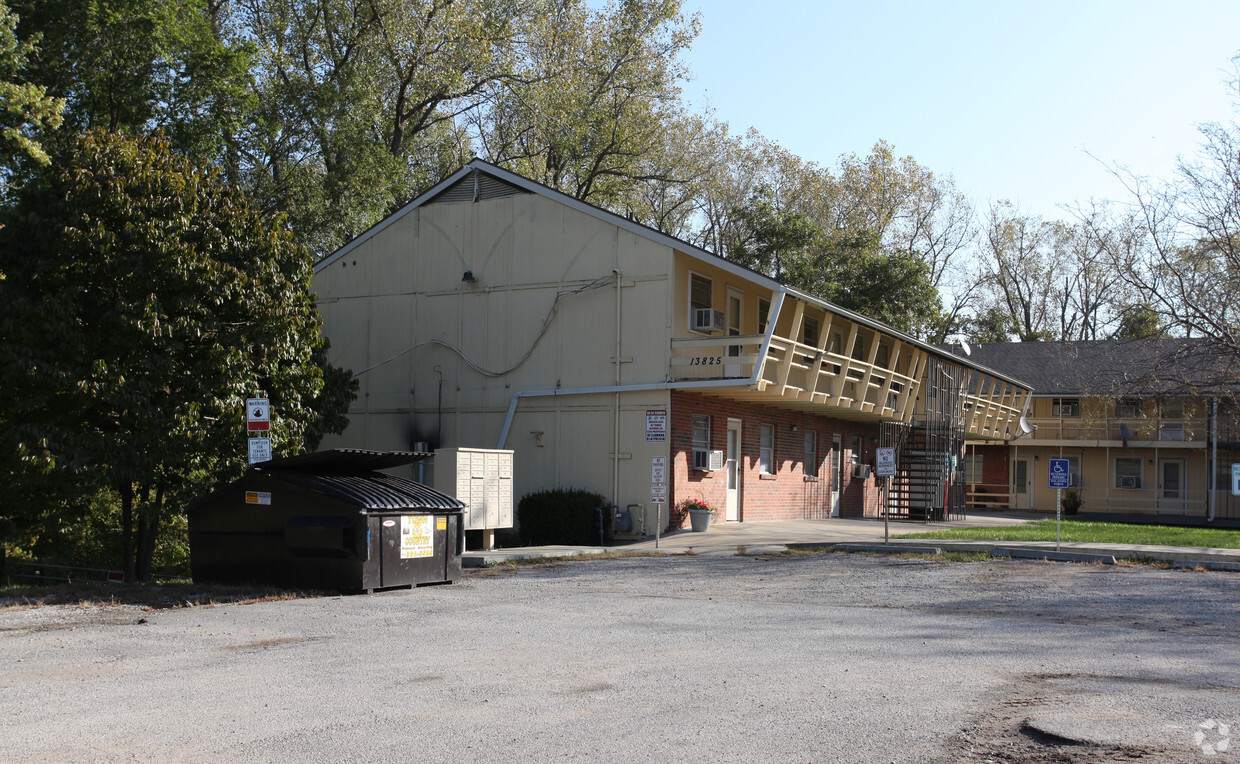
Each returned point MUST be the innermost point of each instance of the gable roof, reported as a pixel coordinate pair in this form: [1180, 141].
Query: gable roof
[480, 180]
[1159, 366]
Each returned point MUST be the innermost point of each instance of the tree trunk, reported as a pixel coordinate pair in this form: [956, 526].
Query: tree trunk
[127, 531]
[149, 532]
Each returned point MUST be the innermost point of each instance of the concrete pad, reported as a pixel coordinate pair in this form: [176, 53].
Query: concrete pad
[1234, 567]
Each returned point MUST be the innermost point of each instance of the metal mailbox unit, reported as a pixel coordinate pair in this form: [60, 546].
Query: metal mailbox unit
[328, 520]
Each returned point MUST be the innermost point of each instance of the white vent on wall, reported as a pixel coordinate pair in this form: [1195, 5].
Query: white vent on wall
[716, 460]
[705, 320]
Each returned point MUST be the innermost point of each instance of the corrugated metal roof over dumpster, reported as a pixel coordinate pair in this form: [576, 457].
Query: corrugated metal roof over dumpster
[327, 520]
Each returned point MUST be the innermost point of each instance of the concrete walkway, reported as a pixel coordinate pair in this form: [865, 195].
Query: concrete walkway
[781, 535]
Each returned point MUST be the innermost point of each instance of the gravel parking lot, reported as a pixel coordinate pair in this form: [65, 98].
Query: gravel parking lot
[808, 658]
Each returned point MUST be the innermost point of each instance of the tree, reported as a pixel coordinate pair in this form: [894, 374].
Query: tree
[1020, 268]
[594, 93]
[28, 109]
[140, 67]
[145, 301]
[360, 101]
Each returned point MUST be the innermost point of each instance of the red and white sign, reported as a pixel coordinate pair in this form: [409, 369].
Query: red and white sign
[258, 414]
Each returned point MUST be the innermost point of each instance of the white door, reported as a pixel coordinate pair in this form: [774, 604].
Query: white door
[732, 510]
[1171, 493]
[837, 473]
[1022, 483]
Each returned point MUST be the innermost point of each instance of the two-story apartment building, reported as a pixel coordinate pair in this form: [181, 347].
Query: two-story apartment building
[1148, 426]
[492, 311]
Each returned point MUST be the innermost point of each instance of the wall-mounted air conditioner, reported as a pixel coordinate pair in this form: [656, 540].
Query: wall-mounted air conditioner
[701, 459]
[705, 320]
[707, 461]
[861, 470]
[1128, 481]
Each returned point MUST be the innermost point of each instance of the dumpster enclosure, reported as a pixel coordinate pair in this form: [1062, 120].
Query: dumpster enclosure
[327, 520]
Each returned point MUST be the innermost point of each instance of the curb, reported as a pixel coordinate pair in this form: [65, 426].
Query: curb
[1046, 554]
[1233, 567]
[888, 548]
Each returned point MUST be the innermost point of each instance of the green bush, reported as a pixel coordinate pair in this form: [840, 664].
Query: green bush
[559, 516]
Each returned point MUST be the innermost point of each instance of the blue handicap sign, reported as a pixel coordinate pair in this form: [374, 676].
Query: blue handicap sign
[1061, 473]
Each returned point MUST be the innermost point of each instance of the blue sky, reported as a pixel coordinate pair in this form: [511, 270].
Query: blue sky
[1006, 97]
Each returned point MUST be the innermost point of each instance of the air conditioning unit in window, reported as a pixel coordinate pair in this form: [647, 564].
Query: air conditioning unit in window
[861, 470]
[1128, 481]
[705, 320]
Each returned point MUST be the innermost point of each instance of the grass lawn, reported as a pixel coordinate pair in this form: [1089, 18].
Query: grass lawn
[1095, 532]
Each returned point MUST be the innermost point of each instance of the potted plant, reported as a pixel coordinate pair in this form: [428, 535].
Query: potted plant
[700, 513]
[1071, 501]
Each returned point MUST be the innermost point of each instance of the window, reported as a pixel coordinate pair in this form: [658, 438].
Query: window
[809, 331]
[858, 348]
[1128, 407]
[734, 301]
[1074, 469]
[701, 292]
[764, 314]
[701, 432]
[856, 449]
[1129, 472]
[883, 355]
[766, 449]
[973, 468]
[811, 453]
[1172, 408]
[1066, 407]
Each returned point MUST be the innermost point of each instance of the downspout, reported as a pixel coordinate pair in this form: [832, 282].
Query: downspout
[1213, 482]
[615, 429]
[642, 387]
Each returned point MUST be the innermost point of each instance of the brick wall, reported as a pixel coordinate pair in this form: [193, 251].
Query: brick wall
[788, 494]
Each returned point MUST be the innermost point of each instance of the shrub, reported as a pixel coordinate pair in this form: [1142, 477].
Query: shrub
[559, 516]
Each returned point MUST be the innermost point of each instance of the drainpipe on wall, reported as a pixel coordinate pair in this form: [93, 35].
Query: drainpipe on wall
[642, 387]
[1214, 457]
[615, 429]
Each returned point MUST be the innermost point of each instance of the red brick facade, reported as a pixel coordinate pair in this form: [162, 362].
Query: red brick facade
[788, 494]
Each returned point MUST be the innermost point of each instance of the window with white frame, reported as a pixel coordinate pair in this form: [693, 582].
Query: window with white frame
[856, 449]
[1129, 472]
[809, 331]
[701, 439]
[1074, 470]
[1128, 407]
[766, 449]
[701, 296]
[764, 314]
[973, 467]
[1066, 407]
[811, 453]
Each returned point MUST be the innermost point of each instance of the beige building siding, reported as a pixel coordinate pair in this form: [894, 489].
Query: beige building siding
[399, 313]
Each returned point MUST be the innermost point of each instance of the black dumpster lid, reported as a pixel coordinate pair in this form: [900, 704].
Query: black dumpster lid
[344, 460]
[371, 490]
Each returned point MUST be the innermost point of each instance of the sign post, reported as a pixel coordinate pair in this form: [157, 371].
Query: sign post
[885, 468]
[1060, 478]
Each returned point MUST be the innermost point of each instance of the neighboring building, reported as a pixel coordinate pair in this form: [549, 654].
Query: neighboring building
[494, 312]
[1148, 429]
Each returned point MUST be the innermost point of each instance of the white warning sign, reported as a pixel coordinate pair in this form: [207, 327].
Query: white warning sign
[417, 536]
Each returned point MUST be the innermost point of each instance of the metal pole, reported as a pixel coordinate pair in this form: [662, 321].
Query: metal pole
[1058, 513]
[886, 510]
[658, 523]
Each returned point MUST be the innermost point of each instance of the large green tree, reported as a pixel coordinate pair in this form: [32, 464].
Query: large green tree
[144, 301]
[26, 109]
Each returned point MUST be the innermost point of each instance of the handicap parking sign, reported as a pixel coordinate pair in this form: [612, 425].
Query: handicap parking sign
[1061, 475]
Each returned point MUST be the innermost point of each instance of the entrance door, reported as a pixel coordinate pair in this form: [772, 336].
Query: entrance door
[837, 473]
[732, 510]
[1022, 484]
[1171, 493]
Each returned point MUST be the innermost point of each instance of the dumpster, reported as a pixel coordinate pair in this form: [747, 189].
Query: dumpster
[327, 520]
